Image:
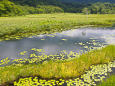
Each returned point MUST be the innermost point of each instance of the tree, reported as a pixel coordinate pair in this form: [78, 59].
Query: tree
[86, 11]
[100, 8]
[8, 8]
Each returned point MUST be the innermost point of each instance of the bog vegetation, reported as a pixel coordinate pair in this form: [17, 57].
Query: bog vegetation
[18, 27]
[58, 68]
[34, 17]
[109, 82]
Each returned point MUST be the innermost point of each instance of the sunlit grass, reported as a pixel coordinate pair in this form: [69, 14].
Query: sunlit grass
[97, 73]
[16, 27]
[58, 69]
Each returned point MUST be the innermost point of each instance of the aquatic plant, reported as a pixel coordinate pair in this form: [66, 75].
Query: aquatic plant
[58, 69]
[110, 81]
[90, 78]
[30, 25]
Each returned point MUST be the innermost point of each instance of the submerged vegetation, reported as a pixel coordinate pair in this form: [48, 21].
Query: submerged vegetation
[59, 68]
[18, 27]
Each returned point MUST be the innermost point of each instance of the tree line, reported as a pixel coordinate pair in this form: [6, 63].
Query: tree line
[100, 8]
[8, 8]
[24, 7]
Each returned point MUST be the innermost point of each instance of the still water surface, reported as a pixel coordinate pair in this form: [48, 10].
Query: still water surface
[72, 40]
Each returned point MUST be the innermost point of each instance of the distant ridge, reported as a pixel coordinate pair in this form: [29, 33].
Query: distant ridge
[88, 1]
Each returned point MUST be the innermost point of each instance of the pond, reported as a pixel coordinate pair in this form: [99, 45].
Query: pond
[76, 40]
[71, 42]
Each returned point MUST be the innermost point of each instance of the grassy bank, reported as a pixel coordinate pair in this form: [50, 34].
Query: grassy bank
[16, 27]
[108, 82]
[58, 69]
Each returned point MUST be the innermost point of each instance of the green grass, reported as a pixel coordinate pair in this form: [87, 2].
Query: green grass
[108, 82]
[58, 69]
[24, 26]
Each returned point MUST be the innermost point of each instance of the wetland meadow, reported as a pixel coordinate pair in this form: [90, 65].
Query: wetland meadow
[58, 49]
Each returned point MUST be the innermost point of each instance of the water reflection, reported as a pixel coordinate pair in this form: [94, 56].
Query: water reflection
[53, 43]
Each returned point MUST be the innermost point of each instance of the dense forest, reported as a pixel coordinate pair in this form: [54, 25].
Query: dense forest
[88, 1]
[23, 7]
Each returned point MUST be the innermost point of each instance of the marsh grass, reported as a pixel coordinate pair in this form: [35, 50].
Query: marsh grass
[17, 27]
[58, 69]
[108, 82]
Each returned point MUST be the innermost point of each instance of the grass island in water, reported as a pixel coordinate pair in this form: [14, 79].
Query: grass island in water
[58, 69]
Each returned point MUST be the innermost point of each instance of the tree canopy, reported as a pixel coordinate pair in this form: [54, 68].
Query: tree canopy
[101, 8]
[23, 7]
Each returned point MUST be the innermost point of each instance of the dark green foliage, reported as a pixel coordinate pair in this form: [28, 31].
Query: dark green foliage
[74, 6]
[67, 7]
[24, 7]
[48, 9]
[36, 2]
[88, 1]
[8, 8]
[101, 8]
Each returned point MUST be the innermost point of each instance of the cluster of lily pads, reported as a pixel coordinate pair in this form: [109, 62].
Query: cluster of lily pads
[91, 78]
[25, 26]
[38, 56]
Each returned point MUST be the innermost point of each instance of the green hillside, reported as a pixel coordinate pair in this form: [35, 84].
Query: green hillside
[24, 7]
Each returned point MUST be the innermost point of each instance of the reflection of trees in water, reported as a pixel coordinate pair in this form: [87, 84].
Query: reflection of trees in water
[83, 33]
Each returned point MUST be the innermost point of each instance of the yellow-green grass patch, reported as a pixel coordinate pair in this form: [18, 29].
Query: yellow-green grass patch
[58, 69]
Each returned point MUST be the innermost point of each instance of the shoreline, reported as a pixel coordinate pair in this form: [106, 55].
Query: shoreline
[20, 27]
[59, 69]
